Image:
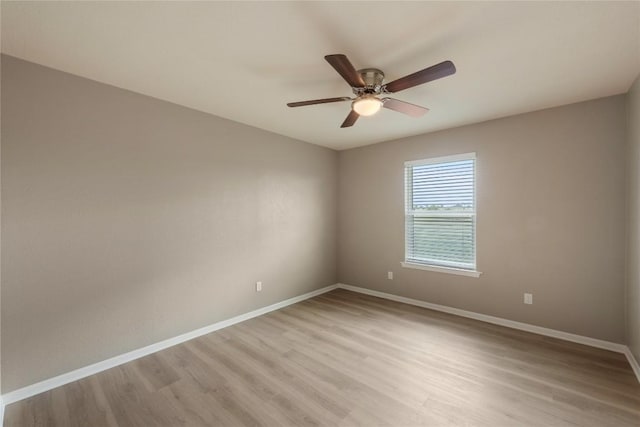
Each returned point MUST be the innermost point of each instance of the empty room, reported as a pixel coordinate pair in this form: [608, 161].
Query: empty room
[319, 213]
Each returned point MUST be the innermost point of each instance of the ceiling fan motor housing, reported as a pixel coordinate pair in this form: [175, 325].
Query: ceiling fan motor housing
[372, 80]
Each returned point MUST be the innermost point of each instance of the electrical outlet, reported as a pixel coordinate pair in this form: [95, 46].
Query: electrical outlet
[258, 286]
[528, 298]
[390, 275]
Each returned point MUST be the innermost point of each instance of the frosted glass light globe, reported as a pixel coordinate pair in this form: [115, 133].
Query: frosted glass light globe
[367, 106]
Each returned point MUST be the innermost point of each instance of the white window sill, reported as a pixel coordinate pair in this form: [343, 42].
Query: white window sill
[439, 269]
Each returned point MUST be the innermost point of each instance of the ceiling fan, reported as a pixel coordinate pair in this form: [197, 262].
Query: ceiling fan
[367, 85]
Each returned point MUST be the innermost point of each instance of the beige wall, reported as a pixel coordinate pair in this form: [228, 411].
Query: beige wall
[633, 236]
[550, 215]
[1, 410]
[128, 220]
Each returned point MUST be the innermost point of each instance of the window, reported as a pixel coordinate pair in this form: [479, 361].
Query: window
[440, 214]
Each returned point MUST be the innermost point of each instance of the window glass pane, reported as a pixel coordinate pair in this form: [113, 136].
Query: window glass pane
[443, 186]
[441, 240]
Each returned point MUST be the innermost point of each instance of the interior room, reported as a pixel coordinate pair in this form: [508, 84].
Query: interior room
[320, 213]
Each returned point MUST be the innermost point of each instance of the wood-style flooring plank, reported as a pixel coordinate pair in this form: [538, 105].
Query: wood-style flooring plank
[346, 359]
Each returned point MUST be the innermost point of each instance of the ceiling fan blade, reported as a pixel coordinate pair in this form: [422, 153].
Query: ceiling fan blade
[404, 107]
[435, 72]
[345, 69]
[318, 101]
[350, 120]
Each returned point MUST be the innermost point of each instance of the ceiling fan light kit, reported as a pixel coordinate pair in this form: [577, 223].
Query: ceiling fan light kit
[366, 105]
[367, 85]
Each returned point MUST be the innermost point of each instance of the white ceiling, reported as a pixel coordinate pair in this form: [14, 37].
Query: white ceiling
[245, 60]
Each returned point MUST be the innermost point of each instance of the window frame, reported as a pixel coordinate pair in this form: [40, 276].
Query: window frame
[452, 269]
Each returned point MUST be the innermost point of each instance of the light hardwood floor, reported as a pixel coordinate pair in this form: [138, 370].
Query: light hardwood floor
[345, 359]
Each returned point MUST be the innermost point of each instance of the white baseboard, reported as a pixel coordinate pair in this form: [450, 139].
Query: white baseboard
[566, 336]
[51, 383]
[633, 362]
[593, 342]
[60, 380]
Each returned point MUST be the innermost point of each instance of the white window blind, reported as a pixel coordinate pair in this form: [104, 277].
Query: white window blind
[440, 212]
